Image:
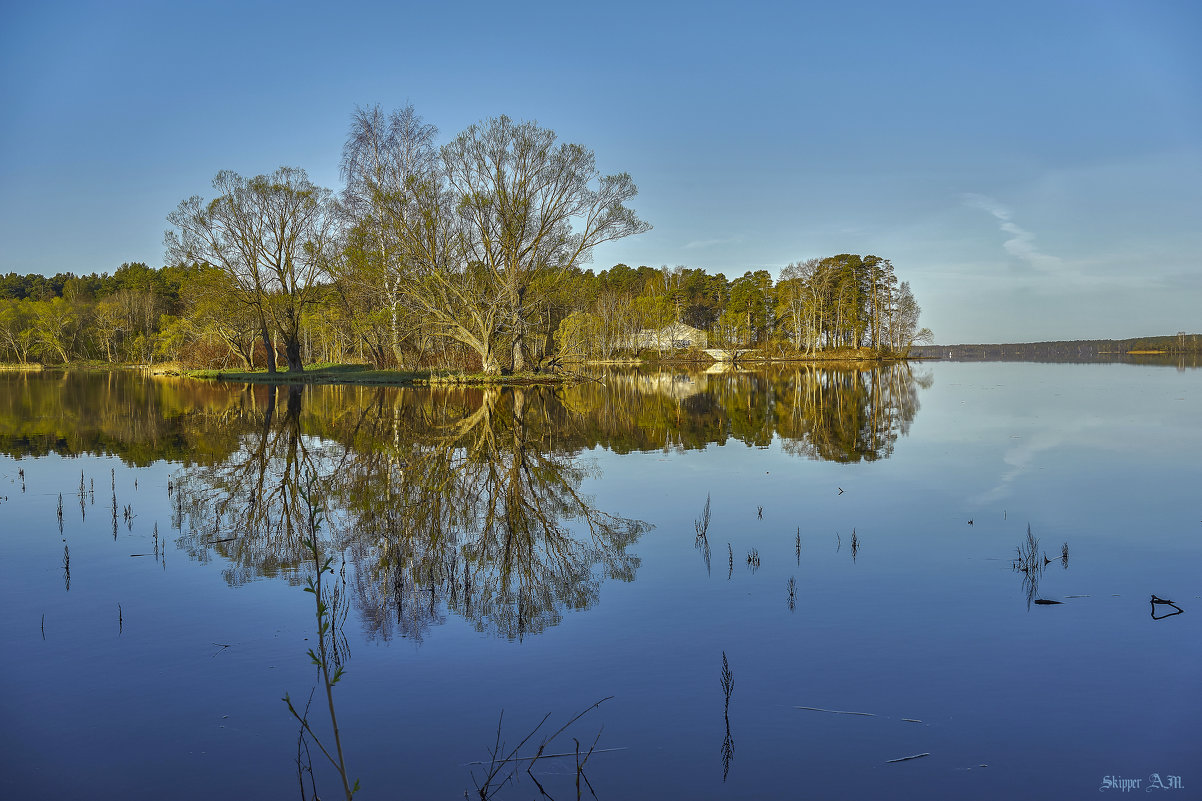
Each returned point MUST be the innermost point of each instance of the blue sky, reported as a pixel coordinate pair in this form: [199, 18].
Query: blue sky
[1033, 169]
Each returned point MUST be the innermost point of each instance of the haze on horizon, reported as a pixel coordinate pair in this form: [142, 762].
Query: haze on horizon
[1031, 171]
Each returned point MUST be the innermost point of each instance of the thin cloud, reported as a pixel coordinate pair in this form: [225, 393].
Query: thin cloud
[1021, 243]
[988, 204]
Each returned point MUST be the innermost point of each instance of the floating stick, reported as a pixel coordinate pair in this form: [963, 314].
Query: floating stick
[836, 711]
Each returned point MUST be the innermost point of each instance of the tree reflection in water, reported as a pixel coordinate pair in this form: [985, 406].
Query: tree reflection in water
[843, 413]
[848, 415]
[461, 501]
[444, 501]
[483, 516]
[247, 507]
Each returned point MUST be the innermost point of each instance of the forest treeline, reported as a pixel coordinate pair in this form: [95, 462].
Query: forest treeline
[470, 255]
[1080, 350]
[142, 315]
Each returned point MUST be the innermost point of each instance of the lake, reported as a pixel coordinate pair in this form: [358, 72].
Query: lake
[783, 584]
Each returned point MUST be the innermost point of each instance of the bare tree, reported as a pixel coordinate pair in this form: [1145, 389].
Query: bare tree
[531, 206]
[455, 296]
[903, 321]
[381, 156]
[799, 302]
[271, 235]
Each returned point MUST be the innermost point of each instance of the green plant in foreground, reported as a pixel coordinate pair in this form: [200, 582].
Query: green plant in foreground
[321, 656]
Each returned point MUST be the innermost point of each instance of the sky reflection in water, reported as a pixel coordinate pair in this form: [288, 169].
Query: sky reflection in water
[478, 527]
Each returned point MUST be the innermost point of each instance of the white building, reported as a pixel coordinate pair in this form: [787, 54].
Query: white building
[672, 337]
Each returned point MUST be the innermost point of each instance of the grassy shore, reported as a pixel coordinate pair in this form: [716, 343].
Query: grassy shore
[364, 374]
[368, 375]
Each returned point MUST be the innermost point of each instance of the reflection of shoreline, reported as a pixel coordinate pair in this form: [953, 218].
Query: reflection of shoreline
[1055, 353]
[841, 413]
[847, 413]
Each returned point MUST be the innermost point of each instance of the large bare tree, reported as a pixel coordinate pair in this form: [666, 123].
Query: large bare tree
[271, 235]
[531, 206]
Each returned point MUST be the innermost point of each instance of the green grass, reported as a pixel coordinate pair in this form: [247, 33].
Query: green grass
[367, 375]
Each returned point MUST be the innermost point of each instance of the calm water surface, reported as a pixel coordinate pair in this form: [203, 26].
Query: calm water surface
[533, 552]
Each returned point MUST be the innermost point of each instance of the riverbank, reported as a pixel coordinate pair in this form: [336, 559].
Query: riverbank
[363, 374]
[758, 356]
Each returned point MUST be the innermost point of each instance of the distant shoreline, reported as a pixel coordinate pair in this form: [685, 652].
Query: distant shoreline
[1160, 343]
[1168, 345]
[1182, 350]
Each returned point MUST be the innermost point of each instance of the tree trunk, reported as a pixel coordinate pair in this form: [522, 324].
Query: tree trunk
[292, 352]
[268, 345]
[519, 353]
[519, 333]
[489, 363]
[395, 331]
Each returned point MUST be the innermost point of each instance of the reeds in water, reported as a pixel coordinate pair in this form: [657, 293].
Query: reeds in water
[504, 762]
[702, 525]
[728, 743]
[702, 542]
[1031, 562]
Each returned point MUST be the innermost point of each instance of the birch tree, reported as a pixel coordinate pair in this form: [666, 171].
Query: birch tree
[382, 155]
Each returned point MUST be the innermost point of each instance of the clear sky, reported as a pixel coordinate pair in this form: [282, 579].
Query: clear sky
[1034, 169]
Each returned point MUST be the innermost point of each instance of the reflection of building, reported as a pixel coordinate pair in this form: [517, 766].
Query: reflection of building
[672, 385]
[723, 366]
[676, 335]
